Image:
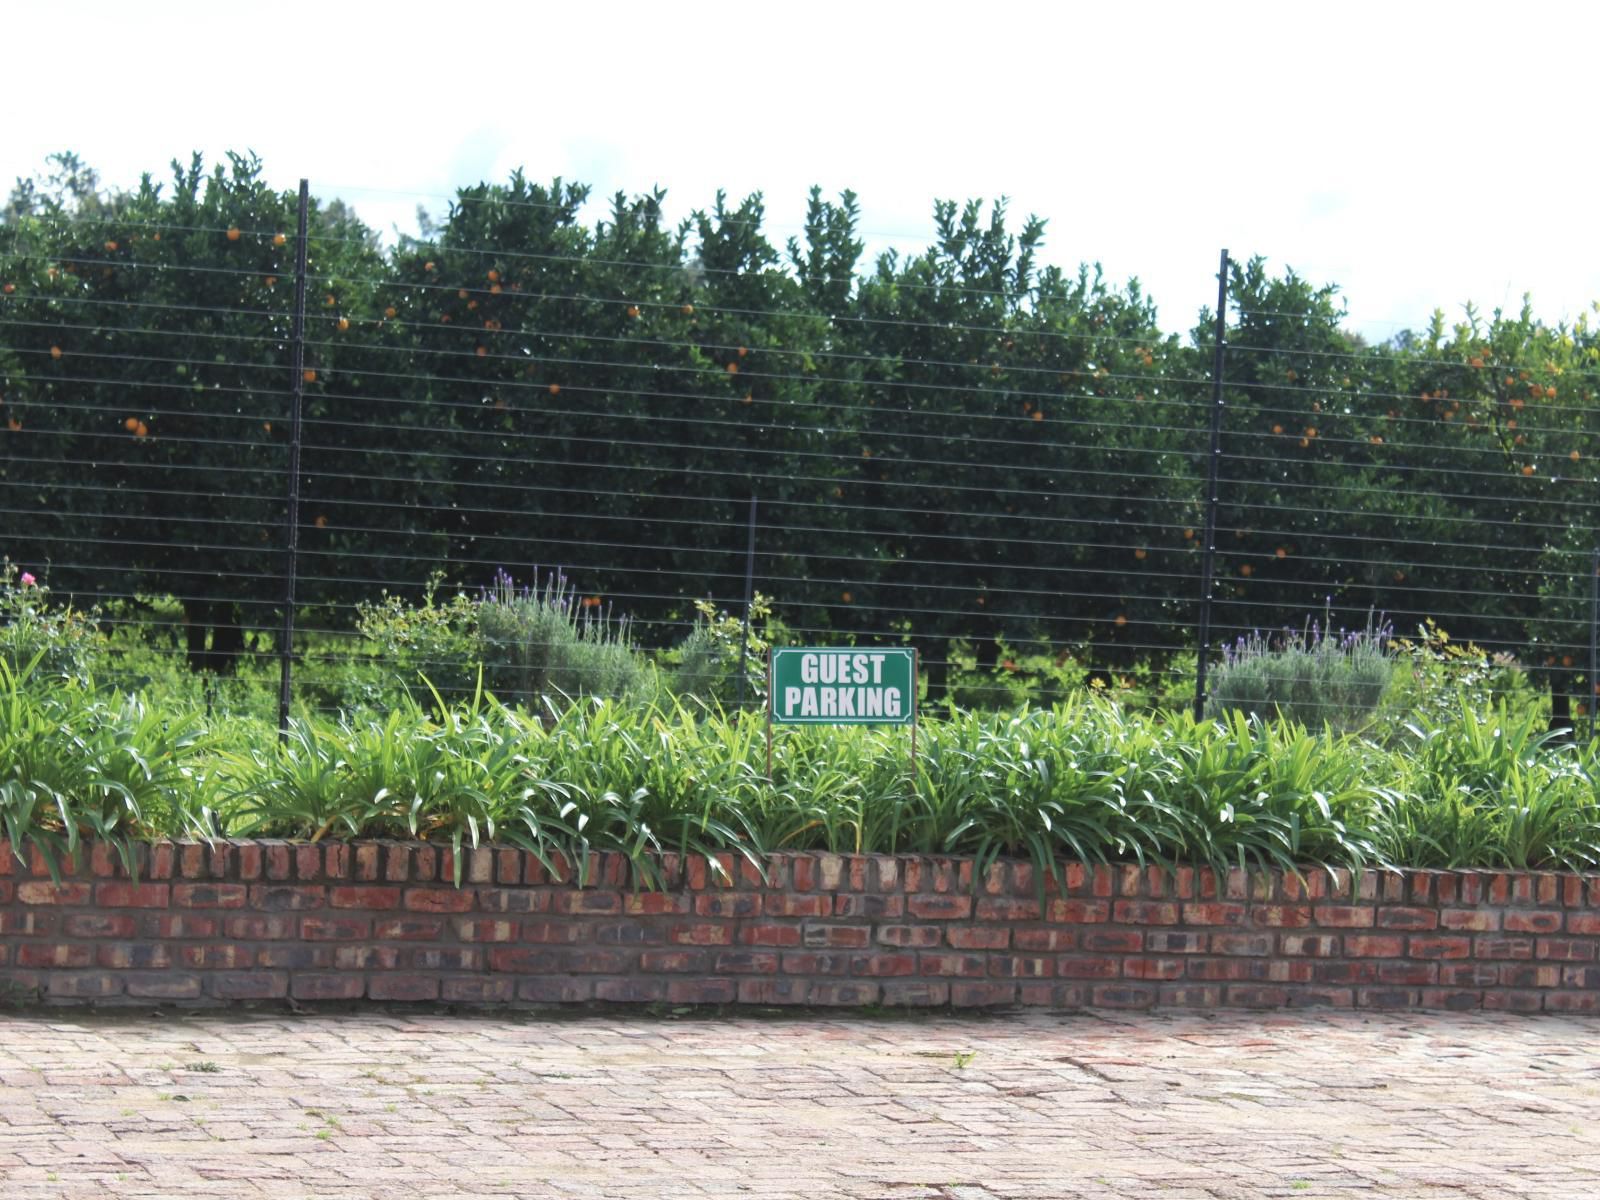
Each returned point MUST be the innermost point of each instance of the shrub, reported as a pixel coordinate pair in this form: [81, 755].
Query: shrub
[1436, 677]
[65, 642]
[1317, 676]
[436, 641]
[543, 641]
[1020, 675]
[709, 658]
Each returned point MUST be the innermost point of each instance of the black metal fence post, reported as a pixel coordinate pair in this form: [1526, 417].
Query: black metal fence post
[749, 597]
[1208, 547]
[292, 519]
[1594, 640]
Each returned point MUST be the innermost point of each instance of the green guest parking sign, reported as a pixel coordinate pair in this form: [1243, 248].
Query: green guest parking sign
[825, 685]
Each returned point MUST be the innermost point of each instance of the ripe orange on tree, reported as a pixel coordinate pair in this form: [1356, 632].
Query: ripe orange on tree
[233, 233]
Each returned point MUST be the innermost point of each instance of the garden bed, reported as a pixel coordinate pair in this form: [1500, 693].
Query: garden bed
[237, 921]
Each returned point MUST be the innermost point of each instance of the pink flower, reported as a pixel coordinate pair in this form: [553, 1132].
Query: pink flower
[28, 580]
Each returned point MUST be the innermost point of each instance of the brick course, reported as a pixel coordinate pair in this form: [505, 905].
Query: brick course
[239, 922]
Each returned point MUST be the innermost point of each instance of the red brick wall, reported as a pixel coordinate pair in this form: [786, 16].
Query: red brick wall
[250, 921]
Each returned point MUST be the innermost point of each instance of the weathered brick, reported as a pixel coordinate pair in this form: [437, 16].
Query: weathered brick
[1566, 949]
[1189, 995]
[1281, 916]
[1213, 913]
[1077, 966]
[919, 994]
[29, 924]
[210, 895]
[1402, 917]
[476, 989]
[673, 961]
[745, 962]
[1120, 995]
[702, 991]
[849, 937]
[775, 989]
[476, 929]
[1439, 947]
[268, 897]
[1112, 941]
[843, 993]
[971, 965]
[782, 904]
[727, 904]
[940, 908]
[555, 932]
[176, 926]
[364, 897]
[318, 986]
[408, 929]
[1343, 916]
[1546, 921]
[815, 962]
[1450, 999]
[1162, 942]
[879, 963]
[1038, 939]
[403, 987]
[1316, 945]
[1021, 966]
[1471, 920]
[1374, 945]
[295, 956]
[437, 900]
[1145, 912]
[248, 985]
[1506, 1000]
[869, 907]
[1153, 968]
[982, 995]
[134, 955]
[368, 866]
[54, 954]
[98, 925]
[700, 933]
[1008, 908]
[308, 863]
[1502, 947]
[162, 985]
[228, 956]
[556, 989]
[84, 985]
[366, 957]
[647, 904]
[277, 861]
[978, 937]
[335, 929]
[260, 928]
[1527, 975]
[1407, 974]
[1078, 912]
[36, 892]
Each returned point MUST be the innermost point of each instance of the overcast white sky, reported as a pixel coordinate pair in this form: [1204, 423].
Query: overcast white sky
[1419, 155]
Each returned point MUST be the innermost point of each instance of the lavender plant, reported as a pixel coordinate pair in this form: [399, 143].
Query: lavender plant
[1316, 676]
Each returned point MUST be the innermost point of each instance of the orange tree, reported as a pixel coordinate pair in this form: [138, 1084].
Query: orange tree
[1021, 445]
[151, 329]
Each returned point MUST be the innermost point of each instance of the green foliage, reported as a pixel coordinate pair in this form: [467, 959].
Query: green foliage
[710, 658]
[1016, 676]
[1436, 676]
[76, 764]
[435, 640]
[1314, 676]
[545, 642]
[56, 641]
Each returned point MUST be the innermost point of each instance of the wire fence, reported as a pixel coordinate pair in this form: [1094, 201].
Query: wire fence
[1013, 469]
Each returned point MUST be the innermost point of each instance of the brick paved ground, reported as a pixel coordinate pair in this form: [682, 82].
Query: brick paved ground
[380, 1105]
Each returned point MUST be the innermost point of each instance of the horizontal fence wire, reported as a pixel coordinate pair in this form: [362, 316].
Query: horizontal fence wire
[999, 465]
